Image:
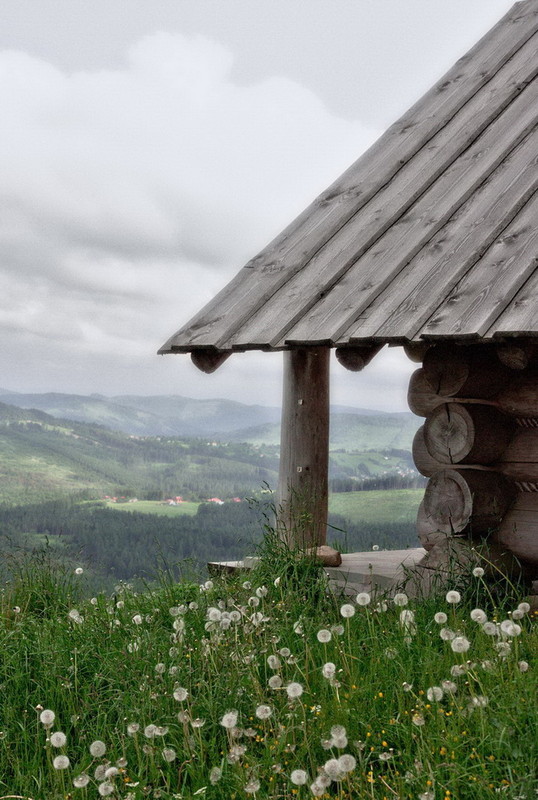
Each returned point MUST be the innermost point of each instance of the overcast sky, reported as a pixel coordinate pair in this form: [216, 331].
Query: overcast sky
[149, 148]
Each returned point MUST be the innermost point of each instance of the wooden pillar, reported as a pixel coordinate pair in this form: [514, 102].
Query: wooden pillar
[302, 502]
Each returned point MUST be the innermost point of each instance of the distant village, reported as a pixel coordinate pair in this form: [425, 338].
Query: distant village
[169, 501]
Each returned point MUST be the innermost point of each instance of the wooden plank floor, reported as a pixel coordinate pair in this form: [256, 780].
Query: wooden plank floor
[371, 571]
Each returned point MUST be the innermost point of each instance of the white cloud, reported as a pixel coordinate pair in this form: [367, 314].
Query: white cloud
[131, 196]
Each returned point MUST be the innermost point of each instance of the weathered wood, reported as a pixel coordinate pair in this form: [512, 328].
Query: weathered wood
[518, 531]
[467, 500]
[312, 304]
[470, 372]
[520, 317]
[415, 351]
[356, 358]
[421, 398]
[518, 354]
[209, 360]
[460, 215]
[427, 530]
[474, 434]
[304, 448]
[520, 395]
[519, 461]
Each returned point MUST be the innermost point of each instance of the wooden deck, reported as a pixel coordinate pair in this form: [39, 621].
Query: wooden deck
[374, 572]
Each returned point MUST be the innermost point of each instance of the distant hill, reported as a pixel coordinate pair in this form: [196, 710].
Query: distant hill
[349, 431]
[168, 415]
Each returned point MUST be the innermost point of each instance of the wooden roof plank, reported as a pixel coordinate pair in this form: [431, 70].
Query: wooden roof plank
[374, 271]
[321, 290]
[407, 304]
[289, 252]
[521, 316]
[474, 304]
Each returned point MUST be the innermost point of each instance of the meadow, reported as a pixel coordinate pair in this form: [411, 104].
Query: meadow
[264, 685]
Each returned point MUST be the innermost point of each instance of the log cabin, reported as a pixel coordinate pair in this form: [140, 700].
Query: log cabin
[429, 241]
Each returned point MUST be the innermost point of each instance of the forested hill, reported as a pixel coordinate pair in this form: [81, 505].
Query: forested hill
[42, 457]
[170, 415]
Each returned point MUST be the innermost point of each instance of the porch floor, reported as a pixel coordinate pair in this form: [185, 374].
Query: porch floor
[371, 571]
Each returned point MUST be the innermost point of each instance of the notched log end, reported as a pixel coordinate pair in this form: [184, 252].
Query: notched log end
[356, 358]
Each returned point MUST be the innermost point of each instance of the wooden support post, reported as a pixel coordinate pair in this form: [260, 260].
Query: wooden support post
[302, 503]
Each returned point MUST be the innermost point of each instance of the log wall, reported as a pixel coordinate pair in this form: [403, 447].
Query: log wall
[479, 445]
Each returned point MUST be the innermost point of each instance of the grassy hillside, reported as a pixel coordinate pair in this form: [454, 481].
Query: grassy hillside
[272, 688]
[398, 505]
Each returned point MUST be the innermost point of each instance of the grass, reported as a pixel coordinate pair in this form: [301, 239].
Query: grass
[242, 688]
[387, 505]
[156, 507]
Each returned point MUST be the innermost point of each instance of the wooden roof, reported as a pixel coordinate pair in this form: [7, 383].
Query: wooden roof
[432, 234]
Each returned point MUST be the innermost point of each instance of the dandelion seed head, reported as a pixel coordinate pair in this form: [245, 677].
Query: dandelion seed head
[440, 618]
[446, 634]
[375, 547]
[61, 762]
[285, 652]
[275, 682]
[132, 728]
[525, 607]
[460, 644]
[478, 572]
[490, 629]
[229, 719]
[453, 597]
[58, 739]
[263, 711]
[298, 628]
[299, 777]
[347, 610]
[407, 687]
[81, 781]
[137, 619]
[347, 762]
[363, 599]
[97, 748]
[400, 599]
[111, 772]
[479, 701]
[273, 661]
[169, 754]
[252, 786]
[503, 649]
[328, 670]
[79, 571]
[47, 717]
[510, 628]
[418, 720]
[434, 694]
[215, 775]
[457, 670]
[324, 636]
[180, 694]
[294, 689]
[105, 789]
[99, 773]
[477, 615]
[261, 591]
[522, 666]
[449, 686]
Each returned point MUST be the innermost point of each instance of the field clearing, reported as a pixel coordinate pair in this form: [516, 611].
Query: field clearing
[155, 507]
[383, 505]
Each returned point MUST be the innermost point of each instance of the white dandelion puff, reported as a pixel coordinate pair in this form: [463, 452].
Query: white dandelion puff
[264, 711]
[434, 694]
[273, 661]
[299, 777]
[477, 615]
[363, 599]
[294, 689]
[324, 636]
[275, 682]
[229, 719]
[347, 610]
[522, 666]
[180, 694]
[400, 599]
[440, 618]
[478, 572]
[97, 748]
[105, 789]
[460, 644]
[81, 781]
[328, 670]
[47, 717]
[453, 597]
[252, 786]
[215, 775]
[61, 762]
[137, 619]
[79, 571]
[132, 728]
[169, 754]
[58, 739]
